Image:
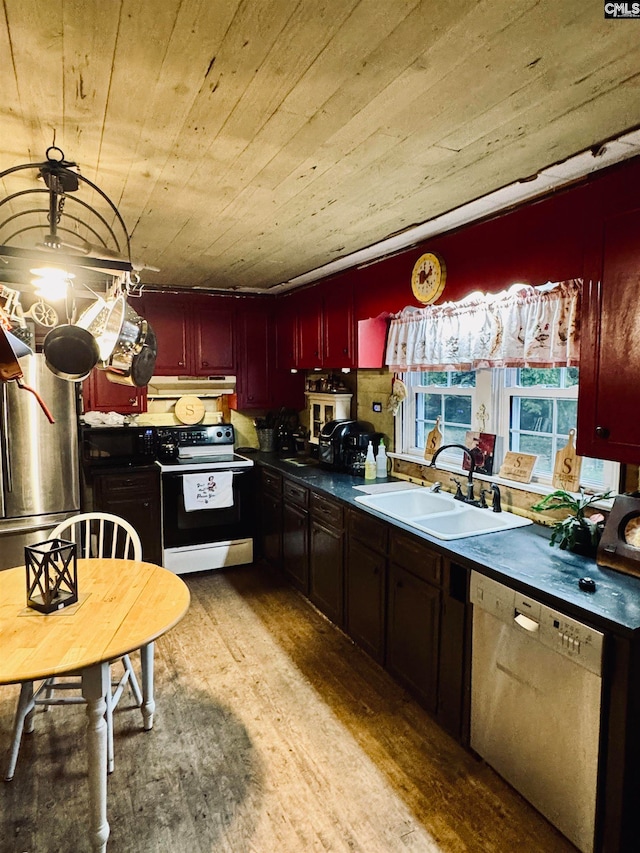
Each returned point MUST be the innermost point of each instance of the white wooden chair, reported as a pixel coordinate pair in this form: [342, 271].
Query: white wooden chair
[96, 534]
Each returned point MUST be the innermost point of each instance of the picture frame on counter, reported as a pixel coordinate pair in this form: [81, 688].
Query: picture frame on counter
[482, 446]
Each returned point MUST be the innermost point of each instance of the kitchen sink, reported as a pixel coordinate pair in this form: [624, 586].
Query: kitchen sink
[409, 503]
[440, 515]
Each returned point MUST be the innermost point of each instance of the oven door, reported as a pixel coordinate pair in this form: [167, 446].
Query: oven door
[182, 528]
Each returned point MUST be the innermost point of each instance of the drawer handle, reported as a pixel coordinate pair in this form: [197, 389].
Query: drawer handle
[602, 432]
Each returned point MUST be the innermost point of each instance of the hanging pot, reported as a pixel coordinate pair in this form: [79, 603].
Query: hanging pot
[10, 370]
[131, 338]
[71, 352]
[138, 369]
[104, 319]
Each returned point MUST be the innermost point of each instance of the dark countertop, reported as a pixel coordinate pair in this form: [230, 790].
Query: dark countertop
[520, 558]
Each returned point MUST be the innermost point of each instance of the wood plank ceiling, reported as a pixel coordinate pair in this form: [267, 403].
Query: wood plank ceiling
[246, 142]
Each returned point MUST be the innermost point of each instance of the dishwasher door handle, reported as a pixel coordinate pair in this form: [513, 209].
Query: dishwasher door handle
[526, 622]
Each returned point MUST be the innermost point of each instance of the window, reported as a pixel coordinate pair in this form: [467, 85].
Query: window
[531, 410]
[444, 395]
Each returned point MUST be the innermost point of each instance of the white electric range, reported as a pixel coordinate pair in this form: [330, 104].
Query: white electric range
[208, 494]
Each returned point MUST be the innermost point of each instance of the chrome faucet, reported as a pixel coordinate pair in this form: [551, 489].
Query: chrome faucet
[459, 496]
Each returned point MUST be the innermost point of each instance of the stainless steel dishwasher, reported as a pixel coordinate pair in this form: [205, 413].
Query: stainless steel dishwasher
[535, 704]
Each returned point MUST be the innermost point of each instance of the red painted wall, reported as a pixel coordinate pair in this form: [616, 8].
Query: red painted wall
[534, 243]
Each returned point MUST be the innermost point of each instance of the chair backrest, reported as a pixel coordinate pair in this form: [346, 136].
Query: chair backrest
[100, 534]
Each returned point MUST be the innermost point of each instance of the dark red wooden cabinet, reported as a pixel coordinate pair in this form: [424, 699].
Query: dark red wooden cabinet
[608, 405]
[101, 395]
[195, 335]
[169, 318]
[213, 324]
[255, 358]
[326, 328]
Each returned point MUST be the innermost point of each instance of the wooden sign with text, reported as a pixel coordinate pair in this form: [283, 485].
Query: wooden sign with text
[434, 440]
[517, 466]
[566, 471]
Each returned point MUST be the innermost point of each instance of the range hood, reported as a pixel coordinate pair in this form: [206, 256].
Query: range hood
[173, 387]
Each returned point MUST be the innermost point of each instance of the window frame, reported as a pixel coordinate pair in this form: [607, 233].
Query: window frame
[494, 389]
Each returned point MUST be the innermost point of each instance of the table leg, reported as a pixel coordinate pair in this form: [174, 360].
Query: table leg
[148, 703]
[95, 683]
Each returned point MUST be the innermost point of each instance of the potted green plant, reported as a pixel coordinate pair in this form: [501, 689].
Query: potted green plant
[577, 532]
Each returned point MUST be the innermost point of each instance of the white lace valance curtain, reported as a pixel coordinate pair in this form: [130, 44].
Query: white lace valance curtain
[523, 326]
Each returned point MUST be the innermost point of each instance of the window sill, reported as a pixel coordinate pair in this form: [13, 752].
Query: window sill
[533, 488]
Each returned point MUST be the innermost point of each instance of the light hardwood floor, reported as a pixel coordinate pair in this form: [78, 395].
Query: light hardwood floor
[273, 734]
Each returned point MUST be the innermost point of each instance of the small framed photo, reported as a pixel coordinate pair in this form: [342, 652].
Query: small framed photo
[482, 446]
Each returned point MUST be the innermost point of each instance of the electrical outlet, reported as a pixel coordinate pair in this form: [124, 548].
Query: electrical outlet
[377, 407]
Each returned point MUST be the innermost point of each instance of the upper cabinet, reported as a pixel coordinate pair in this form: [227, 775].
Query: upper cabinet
[608, 407]
[195, 333]
[101, 395]
[169, 317]
[213, 322]
[255, 360]
[325, 332]
[338, 326]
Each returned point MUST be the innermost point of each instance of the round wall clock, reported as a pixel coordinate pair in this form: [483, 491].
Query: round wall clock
[428, 277]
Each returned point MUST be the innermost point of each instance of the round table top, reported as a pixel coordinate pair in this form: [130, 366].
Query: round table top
[122, 605]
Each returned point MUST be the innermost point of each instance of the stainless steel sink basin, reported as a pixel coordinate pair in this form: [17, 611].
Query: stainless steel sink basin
[440, 515]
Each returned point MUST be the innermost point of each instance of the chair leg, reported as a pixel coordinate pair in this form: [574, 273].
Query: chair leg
[48, 692]
[24, 711]
[133, 681]
[109, 719]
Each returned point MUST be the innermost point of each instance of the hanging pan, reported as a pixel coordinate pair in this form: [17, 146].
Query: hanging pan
[10, 371]
[70, 352]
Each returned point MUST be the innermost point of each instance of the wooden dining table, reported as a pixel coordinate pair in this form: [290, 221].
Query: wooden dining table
[123, 605]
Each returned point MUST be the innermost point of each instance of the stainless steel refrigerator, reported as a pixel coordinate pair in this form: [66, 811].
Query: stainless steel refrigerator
[39, 480]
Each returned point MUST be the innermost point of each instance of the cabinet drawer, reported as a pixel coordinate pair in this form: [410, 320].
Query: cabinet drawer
[412, 555]
[271, 481]
[295, 494]
[326, 511]
[368, 530]
[128, 484]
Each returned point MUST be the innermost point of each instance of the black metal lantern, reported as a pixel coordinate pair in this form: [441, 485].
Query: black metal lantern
[52, 575]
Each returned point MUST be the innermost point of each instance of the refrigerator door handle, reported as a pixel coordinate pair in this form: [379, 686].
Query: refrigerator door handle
[6, 461]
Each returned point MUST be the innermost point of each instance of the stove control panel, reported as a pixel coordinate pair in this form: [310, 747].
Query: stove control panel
[197, 436]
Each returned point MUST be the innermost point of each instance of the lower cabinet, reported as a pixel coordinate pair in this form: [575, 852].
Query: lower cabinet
[412, 634]
[271, 516]
[394, 594]
[365, 583]
[413, 617]
[326, 563]
[295, 534]
[454, 676]
[135, 496]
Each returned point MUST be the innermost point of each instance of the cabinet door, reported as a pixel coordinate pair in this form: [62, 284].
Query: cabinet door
[286, 327]
[134, 496]
[255, 362]
[295, 546]
[338, 327]
[168, 316]
[309, 349]
[455, 653]
[214, 352]
[364, 592]
[272, 528]
[412, 634]
[100, 395]
[326, 581]
[608, 407]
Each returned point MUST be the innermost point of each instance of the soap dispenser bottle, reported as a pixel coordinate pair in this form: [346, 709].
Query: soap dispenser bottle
[381, 461]
[370, 464]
